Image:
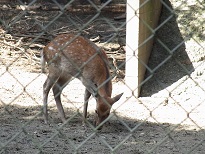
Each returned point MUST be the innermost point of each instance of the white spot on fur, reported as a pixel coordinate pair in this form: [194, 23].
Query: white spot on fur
[50, 48]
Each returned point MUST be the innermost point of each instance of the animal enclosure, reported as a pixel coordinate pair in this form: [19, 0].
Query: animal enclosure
[168, 117]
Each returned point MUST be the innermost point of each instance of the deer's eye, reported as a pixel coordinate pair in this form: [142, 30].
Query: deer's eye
[107, 114]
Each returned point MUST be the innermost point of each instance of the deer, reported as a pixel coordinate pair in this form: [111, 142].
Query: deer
[69, 56]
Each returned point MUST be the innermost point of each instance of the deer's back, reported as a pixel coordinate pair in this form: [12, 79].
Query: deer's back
[74, 54]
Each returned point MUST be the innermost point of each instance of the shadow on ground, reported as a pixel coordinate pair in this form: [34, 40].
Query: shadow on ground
[166, 72]
[22, 134]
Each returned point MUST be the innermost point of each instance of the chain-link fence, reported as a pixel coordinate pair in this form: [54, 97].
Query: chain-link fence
[168, 117]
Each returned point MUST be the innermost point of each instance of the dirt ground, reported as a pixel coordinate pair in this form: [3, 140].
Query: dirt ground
[167, 118]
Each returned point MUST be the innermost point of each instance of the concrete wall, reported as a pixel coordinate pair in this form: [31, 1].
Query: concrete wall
[142, 18]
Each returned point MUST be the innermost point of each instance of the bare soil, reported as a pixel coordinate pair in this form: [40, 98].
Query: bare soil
[167, 118]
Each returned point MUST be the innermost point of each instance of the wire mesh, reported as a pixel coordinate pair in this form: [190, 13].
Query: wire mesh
[168, 116]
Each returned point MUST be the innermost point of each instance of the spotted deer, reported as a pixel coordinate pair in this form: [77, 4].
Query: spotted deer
[70, 56]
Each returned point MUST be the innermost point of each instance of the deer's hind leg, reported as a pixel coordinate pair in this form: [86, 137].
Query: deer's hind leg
[50, 81]
[57, 90]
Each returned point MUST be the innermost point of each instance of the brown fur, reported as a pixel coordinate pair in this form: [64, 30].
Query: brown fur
[74, 56]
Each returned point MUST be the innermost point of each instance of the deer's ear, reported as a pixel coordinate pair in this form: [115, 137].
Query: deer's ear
[116, 98]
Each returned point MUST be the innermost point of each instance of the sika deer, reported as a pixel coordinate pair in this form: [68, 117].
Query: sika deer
[70, 56]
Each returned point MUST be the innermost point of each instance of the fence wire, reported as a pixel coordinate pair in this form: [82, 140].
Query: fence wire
[168, 117]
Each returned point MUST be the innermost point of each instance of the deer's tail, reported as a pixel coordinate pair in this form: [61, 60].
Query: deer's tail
[43, 62]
